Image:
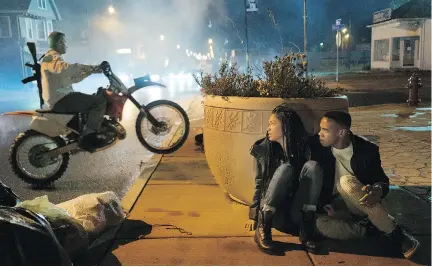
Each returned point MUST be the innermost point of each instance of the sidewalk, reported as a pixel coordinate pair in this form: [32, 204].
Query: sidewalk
[183, 218]
[375, 81]
[376, 88]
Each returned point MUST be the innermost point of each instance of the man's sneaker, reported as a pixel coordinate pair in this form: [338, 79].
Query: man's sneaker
[407, 244]
[371, 230]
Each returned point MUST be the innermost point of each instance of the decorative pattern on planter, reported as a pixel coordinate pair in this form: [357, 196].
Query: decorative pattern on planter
[214, 118]
[234, 120]
[252, 121]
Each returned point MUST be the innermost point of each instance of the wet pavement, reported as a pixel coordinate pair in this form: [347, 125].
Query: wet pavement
[404, 137]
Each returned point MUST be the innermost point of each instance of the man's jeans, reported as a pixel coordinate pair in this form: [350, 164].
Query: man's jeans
[345, 224]
[305, 198]
[95, 105]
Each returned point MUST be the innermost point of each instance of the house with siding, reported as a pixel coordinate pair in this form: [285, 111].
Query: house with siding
[23, 21]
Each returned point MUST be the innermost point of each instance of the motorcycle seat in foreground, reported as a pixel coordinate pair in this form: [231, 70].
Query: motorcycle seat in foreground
[50, 111]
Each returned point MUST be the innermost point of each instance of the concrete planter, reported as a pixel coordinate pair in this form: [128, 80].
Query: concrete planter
[234, 124]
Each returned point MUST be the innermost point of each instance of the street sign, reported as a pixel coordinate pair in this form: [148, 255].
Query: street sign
[252, 6]
[337, 27]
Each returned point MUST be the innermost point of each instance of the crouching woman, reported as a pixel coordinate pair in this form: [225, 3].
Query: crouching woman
[287, 183]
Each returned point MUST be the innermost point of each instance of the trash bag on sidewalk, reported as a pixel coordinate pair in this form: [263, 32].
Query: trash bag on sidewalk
[26, 238]
[96, 212]
[70, 233]
[42, 206]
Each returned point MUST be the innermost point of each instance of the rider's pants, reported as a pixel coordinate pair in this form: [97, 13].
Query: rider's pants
[95, 105]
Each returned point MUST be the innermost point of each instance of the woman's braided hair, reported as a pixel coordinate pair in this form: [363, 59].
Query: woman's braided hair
[295, 141]
[295, 134]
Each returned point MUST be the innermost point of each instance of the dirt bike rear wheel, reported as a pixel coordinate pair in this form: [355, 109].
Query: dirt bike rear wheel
[179, 134]
[42, 143]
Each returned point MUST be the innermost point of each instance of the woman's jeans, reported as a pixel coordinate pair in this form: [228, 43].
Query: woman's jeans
[288, 210]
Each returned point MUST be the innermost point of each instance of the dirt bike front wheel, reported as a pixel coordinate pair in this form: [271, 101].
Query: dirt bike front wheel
[172, 131]
[25, 158]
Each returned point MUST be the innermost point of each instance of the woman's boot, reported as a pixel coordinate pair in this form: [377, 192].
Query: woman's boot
[263, 235]
[307, 234]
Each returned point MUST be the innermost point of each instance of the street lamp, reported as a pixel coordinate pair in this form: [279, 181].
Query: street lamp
[162, 37]
[210, 41]
[347, 36]
[111, 9]
[178, 46]
[304, 27]
[344, 30]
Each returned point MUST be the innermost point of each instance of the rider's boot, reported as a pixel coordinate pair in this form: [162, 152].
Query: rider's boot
[90, 140]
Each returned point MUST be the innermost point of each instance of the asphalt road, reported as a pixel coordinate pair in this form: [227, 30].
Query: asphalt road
[114, 169]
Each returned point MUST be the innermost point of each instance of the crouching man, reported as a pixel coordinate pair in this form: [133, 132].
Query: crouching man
[352, 174]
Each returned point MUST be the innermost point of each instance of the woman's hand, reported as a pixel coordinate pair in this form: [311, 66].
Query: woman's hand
[250, 225]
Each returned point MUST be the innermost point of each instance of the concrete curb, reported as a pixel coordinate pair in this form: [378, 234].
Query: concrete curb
[127, 202]
[132, 195]
[99, 247]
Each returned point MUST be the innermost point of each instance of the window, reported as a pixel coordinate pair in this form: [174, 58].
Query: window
[381, 50]
[29, 28]
[49, 26]
[5, 27]
[41, 30]
[396, 49]
[42, 4]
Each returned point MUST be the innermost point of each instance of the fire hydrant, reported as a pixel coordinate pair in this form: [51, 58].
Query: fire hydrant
[414, 84]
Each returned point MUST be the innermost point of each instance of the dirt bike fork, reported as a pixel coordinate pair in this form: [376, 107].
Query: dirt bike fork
[144, 110]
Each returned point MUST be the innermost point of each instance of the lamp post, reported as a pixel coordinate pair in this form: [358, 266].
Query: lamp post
[252, 8]
[246, 35]
[304, 28]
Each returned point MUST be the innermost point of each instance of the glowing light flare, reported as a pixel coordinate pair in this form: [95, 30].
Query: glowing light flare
[124, 51]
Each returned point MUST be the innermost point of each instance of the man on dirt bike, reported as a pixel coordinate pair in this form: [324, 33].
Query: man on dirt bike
[57, 78]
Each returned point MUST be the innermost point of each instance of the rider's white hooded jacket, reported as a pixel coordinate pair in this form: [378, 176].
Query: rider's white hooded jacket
[58, 76]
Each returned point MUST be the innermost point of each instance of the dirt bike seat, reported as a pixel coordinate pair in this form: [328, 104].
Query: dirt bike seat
[50, 111]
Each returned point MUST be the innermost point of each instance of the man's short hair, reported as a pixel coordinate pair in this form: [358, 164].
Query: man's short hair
[340, 117]
[55, 37]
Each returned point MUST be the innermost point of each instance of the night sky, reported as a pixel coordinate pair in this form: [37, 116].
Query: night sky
[288, 15]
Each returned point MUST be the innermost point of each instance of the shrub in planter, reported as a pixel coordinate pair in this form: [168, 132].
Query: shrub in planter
[283, 77]
[237, 107]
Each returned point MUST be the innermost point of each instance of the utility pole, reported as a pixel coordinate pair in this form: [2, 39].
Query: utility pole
[304, 27]
[338, 35]
[252, 8]
[246, 35]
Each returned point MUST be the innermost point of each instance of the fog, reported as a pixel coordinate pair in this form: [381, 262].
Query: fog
[137, 26]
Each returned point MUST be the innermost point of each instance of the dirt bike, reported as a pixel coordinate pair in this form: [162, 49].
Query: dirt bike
[41, 155]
